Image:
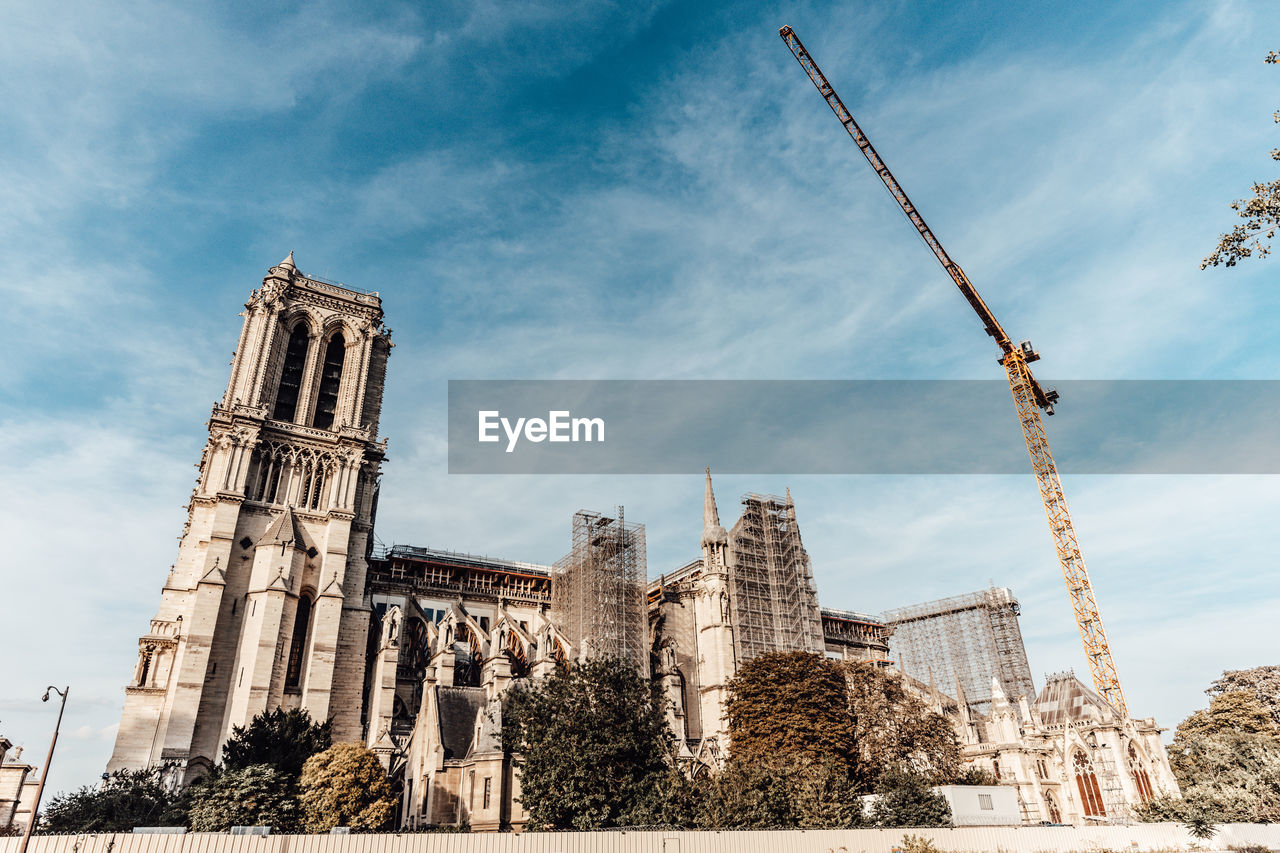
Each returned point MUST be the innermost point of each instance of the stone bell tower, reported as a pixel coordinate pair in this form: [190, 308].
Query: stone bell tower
[264, 607]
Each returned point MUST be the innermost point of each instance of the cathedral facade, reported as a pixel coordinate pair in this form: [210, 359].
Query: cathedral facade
[265, 606]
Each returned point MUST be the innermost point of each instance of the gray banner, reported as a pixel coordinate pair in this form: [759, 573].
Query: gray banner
[856, 427]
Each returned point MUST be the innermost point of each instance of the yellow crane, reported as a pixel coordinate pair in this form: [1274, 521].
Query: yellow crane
[1029, 398]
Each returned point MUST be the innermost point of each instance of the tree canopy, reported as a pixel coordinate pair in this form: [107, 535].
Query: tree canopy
[1260, 212]
[257, 795]
[125, 799]
[593, 742]
[788, 707]
[1262, 681]
[281, 739]
[345, 785]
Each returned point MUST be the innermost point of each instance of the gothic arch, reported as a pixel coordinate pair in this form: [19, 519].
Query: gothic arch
[1087, 785]
[297, 337]
[1137, 763]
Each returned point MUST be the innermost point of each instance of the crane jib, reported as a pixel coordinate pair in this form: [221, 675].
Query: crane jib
[1028, 397]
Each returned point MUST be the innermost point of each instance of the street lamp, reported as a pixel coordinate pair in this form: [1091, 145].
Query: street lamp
[44, 772]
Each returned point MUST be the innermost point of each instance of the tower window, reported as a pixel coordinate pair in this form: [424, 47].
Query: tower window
[293, 677]
[295, 355]
[330, 379]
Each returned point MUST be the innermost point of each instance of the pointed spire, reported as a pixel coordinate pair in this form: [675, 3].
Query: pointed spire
[998, 696]
[712, 531]
[287, 263]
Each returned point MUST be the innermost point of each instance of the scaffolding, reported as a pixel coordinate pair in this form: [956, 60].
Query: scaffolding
[967, 639]
[774, 606]
[598, 590]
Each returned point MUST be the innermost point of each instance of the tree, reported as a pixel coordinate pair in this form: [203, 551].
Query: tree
[345, 785]
[789, 707]
[593, 741]
[1261, 215]
[778, 795]
[907, 800]
[127, 798]
[282, 739]
[1262, 681]
[1236, 711]
[257, 795]
[893, 727]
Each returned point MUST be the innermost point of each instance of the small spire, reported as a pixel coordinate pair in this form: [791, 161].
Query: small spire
[712, 531]
[287, 263]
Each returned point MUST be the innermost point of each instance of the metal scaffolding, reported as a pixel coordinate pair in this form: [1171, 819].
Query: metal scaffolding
[598, 590]
[774, 606]
[969, 638]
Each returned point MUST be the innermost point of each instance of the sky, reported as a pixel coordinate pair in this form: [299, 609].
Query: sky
[629, 191]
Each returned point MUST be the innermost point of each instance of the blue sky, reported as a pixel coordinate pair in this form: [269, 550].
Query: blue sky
[653, 191]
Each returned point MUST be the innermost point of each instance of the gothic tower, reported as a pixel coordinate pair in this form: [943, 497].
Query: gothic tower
[265, 607]
[716, 658]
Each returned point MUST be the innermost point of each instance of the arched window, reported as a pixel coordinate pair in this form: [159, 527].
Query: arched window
[295, 356]
[1087, 784]
[293, 677]
[1051, 804]
[330, 379]
[1139, 772]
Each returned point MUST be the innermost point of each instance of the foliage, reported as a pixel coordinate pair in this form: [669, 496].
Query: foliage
[789, 707]
[917, 844]
[282, 739]
[345, 785]
[1261, 215]
[1226, 757]
[1262, 681]
[1236, 711]
[257, 795]
[778, 795]
[907, 800]
[893, 727]
[593, 741]
[974, 775]
[125, 799]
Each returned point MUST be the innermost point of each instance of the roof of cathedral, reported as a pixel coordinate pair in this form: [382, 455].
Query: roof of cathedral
[1065, 698]
[458, 707]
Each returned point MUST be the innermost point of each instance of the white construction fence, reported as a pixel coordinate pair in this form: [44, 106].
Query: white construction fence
[1142, 838]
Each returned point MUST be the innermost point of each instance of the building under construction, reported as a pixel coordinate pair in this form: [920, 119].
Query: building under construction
[775, 605]
[598, 590]
[967, 639]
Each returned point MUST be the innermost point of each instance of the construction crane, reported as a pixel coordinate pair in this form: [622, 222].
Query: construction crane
[1029, 398]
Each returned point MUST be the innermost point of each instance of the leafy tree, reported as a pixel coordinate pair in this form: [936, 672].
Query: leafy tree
[1262, 681]
[257, 795]
[1261, 215]
[789, 707]
[1237, 711]
[907, 800]
[893, 727]
[777, 795]
[594, 741]
[282, 739]
[345, 785]
[127, 798]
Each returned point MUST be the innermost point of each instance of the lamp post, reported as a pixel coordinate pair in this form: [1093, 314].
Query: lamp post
[44, 771]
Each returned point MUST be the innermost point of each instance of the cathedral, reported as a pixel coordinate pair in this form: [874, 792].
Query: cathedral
[279, 599]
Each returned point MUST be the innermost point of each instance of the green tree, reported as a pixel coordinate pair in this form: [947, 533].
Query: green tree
[1262, 681]
[1237, 711]
[257, 795]
[779, 795]
[893, 727]
[593, 741]
[789, 707]
[907, 800]
[1261, 215]
[125, 799]
[282, 739]
[345, 785]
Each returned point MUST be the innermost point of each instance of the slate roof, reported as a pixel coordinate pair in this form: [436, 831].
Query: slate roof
[1065, 699]
[458, 708]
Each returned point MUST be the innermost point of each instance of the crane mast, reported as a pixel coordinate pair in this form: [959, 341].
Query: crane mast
[1029, 398]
